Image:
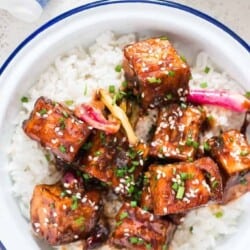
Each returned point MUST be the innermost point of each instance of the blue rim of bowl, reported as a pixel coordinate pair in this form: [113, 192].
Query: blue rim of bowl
[109, 2]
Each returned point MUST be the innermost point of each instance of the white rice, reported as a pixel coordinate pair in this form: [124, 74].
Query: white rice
[74, 76]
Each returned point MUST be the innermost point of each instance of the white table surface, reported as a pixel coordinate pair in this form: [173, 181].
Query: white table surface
[233, 13]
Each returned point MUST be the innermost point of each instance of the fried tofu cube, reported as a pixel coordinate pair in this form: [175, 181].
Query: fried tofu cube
[156, 72]
[56, 128]
[60, 216]
[177, 188]
[177, 133]
[138, 229]
[232, 153]
[111, 160]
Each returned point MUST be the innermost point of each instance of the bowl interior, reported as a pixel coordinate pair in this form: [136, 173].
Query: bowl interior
[192, 33]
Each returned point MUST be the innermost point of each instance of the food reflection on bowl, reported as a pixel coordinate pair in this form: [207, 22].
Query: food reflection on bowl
[74, 74]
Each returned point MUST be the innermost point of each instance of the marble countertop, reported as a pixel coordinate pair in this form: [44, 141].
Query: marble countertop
[233, 13]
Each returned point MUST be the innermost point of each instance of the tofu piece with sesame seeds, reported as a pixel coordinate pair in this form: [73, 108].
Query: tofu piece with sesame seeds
[177, 133]
[64, 212]
[155, 72]
[110, 159]
[232, 153]
[138, 229]
[56, 128]
[179, 187]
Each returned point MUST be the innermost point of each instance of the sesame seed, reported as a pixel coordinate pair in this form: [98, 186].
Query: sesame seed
[66, 185]
[37, 224]
[57, 129]
[165, 210]
[54, 141]
[55, 214]
[84, 199]
[46, 220]
[71, 149]
[96, 207]
[45, 210]
[55, 225]
[68, 191]
[64, 207]
[76, 236]
[38, 230]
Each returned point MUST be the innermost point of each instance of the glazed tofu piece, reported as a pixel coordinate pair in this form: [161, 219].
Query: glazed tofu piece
[177, 133]
[232, 153]
[60, 214]
[177, 188]
[56, 128]
[138, 229]
[110, 159]
[156, 72]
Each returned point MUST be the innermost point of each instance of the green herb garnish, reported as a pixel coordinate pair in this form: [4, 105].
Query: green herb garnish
[133, 203]
[112, 89]
[69, 102]
[24, 99]
[171, 73]
[62, 149]
[118, 68]
[154, 80]
[180, 192]
[219, 214]
[203, 85]
[74, 204]
[43, 111]
[207, 69]
[123, 215]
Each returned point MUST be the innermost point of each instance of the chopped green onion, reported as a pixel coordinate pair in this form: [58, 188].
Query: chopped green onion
[180, 192]
[69, 102]
[244, 153]
[148, 246]
[132, 169]
[163, 38]
[247, 94]
[74, 204]
[203, 85]
[80, 220]
[118, 223]
[207, 69]
[97, 153]
[171, 73]
[186, 176]
[154, 80]
[215, 183]
[206, 146]
[63, 194]
[133, 240]
[120, 172]
[62, 149]
[86, 176]
[183, 58]
[219, 214]
[112, 89]
[133, 203]
[191, 229]
[24, 99]
[123, 215]
[65, 114]
[118, 68]
[169, 96]
[175, 186]
[183, 105]
[43, 111]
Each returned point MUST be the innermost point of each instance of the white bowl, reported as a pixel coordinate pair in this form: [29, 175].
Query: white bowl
[194, 31]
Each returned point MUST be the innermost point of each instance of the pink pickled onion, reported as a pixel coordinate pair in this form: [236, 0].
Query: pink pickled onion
[222, 98]
[94, 118]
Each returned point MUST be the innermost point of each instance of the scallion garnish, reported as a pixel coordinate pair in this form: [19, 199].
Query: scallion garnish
[24, 99]
[154, 80]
